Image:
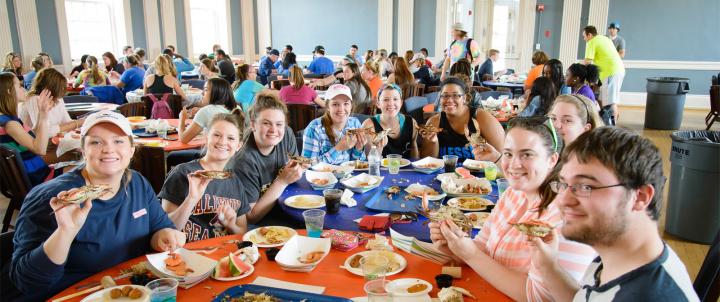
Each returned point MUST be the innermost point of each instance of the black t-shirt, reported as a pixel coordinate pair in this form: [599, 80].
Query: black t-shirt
[218, 192]
[425, 76]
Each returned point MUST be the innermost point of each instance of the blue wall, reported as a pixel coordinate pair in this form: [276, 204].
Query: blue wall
[49, 35]
[13, 27]
[424, 26]
[181, 28]
[635, 79]
[236, 24]
[550, 19]
[137, 17]
[335, 24]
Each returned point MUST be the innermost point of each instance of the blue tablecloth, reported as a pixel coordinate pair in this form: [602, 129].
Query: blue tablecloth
[344, 219]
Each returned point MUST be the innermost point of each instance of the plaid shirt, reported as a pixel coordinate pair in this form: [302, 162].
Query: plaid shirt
[316, 143]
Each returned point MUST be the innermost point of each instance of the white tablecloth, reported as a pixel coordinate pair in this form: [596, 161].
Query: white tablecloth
[192, 97]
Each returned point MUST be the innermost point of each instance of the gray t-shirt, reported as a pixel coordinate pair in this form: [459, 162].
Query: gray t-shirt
[227, 69]
[257, 171]
[218, 192]
[360, 97]
[619, 43]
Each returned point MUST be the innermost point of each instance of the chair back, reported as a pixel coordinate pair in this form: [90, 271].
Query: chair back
[194, 83]
[300, 115]
[430, 89]
[132, 109]
[173, 100]
[494, 94]
[413, 107]
[150, 162]
[707, 282]
[411, 90]
[6, 248]
[69, 99]
[14, 182]
[714, 80]
[278, 84]
[360, 117]
[715, 98]
[481, 88]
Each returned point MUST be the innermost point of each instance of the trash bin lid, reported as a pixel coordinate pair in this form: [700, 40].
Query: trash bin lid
[697, 137]
[668, 79]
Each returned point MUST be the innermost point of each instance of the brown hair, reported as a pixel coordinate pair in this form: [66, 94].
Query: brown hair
[266, 101]
[462, 67]
[140, 52]
[50, 79]
[37, 63]
[402, 73]
[357, 78]
[634, 159]
[408, 55]
[493, 52]
[296, 77]
[539, 57]
[133, 60]
[95, 76]
[590, 30]
[584, 108]
[373, 66]
[8, 95]
[113, 61]
[236, 117]
[209, 64]
[241, 74]
[460, 82]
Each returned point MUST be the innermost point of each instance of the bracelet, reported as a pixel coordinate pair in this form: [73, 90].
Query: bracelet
[498, 159]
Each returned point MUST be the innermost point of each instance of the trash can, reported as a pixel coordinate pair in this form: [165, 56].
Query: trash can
[665, 102]
[693, 209]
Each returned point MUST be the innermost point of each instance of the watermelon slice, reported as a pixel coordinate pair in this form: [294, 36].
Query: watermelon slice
[237, 266]
[222, 269]
[463, 173]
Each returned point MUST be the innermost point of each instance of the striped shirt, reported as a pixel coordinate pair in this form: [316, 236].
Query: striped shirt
[507, 246]
[316, 143]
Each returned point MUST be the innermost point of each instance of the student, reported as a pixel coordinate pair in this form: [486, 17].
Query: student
[485, 73]
[58, 118]
[500, 253]
[609, 193]
[539, 59]
[46, 59]
[402, 138]
[112, 64]
[207, 69]
[600, 50]
[579, 76]
[37, 64]
[141, 55]
[402, 75]
[458, 121]
[287, 63]
[359, 89]
[267, 66]
[371, 74]
[421, 72]
[462, 47]
[326, 138]
[218, 98]
[13, 64]
[356, 55]
[299, 93]
[386, 66]
[553, 70]
[245, 86]
[225, 65]
[132, 78]
[79, 240]
[204, 208]
[425, 53]
[540, 99]
[82, 66]
[573, 115]
[163, 79]
[320, 65]
[92, 76]
[262, 165]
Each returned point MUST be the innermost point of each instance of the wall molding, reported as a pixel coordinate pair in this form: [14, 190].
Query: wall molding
[442, 36]
[28, 30]
[674, 65]
[152, 30]
[570, 32]
[167, 12]
[248, 30]
[5, 35]
[264, 26]
[385, 25]
[405, 25]
[64, 36]
[638, 99]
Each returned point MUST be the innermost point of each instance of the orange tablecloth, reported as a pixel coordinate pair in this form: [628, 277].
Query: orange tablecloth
[337, 281]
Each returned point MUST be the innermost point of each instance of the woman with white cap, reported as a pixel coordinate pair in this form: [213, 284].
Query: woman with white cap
[55, 251]
[462, 47]
[326, 137]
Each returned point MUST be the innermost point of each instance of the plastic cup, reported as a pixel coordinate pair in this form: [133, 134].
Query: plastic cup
[490, 172]
[332, 200]
[375, 290]
[374, 267]
[502, 185]
[314, 222]
[163, 290]
[450, 163]
[394, 163]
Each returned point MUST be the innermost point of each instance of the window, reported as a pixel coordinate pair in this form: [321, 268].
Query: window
[504, 31]
[94, 27]
[209, 25]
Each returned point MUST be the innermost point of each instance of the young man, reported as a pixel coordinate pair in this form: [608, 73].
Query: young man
[355, 55]
[600, 50]
[321, 65]
[487, 67]
[462, 46]
[618, 41]
[267, 66]
[610, 195]
[424, 51]
[225, 65]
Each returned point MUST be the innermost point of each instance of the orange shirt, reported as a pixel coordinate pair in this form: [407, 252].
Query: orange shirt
[507, 246]
[375, 85]
[533, 74]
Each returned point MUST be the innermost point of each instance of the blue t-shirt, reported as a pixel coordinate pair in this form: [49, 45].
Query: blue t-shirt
[321, 65]
[35, 166]
[265, 69]
[245, 93]
[115, 231]
[133, 79]
[28, 78]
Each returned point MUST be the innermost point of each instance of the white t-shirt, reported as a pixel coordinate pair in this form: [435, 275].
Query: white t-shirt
[206, 114]
[58, 115]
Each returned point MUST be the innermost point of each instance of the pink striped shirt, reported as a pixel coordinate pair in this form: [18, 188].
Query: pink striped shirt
[506, 245]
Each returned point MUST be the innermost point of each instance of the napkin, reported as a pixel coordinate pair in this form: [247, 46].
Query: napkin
[288, 285]
[68, 143]
[346, 199]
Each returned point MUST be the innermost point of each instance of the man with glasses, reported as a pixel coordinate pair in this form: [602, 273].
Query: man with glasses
[609, 192]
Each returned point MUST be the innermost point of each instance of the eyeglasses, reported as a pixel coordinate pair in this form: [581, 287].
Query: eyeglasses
[580, 190]
[446, 96]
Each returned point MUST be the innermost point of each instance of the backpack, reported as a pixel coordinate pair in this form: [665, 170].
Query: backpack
[161, 108]
[469, 52]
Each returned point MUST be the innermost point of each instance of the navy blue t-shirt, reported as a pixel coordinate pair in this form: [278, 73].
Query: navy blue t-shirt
[116, 230]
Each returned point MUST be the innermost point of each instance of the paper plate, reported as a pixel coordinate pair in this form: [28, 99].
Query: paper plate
[399, 259]
[470, 203]
[305, 202]
[104, 295]
[480, 218]
[261, 241]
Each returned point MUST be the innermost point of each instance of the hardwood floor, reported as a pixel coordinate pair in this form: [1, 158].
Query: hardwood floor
[692, 254]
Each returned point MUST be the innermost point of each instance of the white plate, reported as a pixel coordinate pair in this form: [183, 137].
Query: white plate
[416, 187]
[305, 202]
[443, 177]
[104, 295]
[259, 240]
[482, 216]
[315, 175]
[354, 183]
[200, 264]
[248, 273]
[289, 255]
[358, 271]
[403, 162]
[454, 187]
[352, 164]
[477, 165]
[398, 287]
[455, 202]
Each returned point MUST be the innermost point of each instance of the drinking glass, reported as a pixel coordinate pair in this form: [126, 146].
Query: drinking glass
[394, 163]
[375, 290]
[163, 290]
[332, 200]
[450, 163]
[491, 172]
[314, 220]
[502, 185]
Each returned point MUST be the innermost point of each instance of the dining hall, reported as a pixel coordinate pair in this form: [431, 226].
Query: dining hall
[378, 150]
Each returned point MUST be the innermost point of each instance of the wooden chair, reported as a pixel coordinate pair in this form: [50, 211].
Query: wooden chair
[300, 115]
[150, 162]
[278, 84]
[174, 100]
[14, 182]
[410, 90]
[132, 109]
[430, 89]
[714, 114]
[481, 88]
[419, 89]
[707, 282]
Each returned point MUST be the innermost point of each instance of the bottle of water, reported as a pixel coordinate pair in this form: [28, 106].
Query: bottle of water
[374, 158]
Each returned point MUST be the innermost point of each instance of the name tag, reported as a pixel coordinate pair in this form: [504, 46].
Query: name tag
[139, 213]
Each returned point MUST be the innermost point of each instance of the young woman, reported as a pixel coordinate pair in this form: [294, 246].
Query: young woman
[263, 165]
[112, 64]
[369, 54]
[13, 64]
[286, 65]
[540, 99]
[402, 138]
[402, 75]
[358, 88]
[421, 71]
[46, 59]
[164, 79]
[539, 58]
[573, 115]
[579, 77]
[500, 253]
[207, 69]
[92, 76]
[55, 251]
[371, 75]
[245, 86]
[202, 208]
[133, 76]
[219, 99]
[297, 92]
[458, 121]
[80, 67]
[326, 137]
[37, 64]
[15, 135]
[58, 118]
[553, 70]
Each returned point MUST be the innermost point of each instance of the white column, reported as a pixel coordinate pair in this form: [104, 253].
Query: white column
[248, 26]
[482, 31]
[129, 37]
[63, 36]
[5, 35]
[167, 11]
[28, 30]
[598, 14]
[570, 33]
[405, 25]
[385, 25]
[526, 33]
[264, 28]
[228, 19]
[188, 29]
[152, 30]
[442, 28]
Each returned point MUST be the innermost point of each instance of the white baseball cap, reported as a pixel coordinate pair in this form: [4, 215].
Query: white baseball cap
[459, 26]
[106, 116]
[338, 89]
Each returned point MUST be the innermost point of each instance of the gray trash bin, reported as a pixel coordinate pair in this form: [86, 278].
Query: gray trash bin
[693, 210]
[665, 102]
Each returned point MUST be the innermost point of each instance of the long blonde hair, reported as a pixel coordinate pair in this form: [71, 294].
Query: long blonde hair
[95, 76]
[164, 66]
[9, 63]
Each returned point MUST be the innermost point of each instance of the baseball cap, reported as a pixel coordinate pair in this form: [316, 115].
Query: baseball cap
[417, 56]
[459, 26]
[615, 25]
[106, 116]
[337, 89]
[319, 47]
[274, 52]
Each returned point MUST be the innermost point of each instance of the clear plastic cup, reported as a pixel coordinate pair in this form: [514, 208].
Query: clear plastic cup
[450, 163]
[163, 290]
[375, 290]
[393, 163]
[502, 185]
[332, 200]
[314, 220]
[491, 172]
[374, 267]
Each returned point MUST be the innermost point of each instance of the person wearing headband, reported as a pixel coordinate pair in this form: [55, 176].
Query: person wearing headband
[573, 115]
[402, 138]
[500, 253]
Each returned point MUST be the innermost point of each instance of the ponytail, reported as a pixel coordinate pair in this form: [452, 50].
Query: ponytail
[585, 73]
[327, 124]
[95, 76]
